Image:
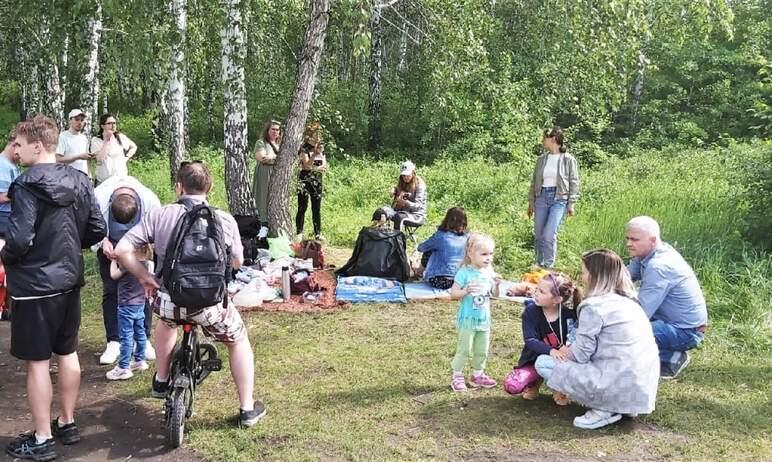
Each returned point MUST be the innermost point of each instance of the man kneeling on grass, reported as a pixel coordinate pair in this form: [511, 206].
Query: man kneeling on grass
[220, 322]
[669, 294]
[54, 215]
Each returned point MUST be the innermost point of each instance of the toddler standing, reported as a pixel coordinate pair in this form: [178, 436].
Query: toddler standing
[474, 284]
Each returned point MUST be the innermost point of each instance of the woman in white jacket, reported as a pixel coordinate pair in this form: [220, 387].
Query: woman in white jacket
[613, 365]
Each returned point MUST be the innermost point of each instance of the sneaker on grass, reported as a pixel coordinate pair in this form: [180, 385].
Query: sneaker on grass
[67, 434]
[26, 446]
[110, 355]
[249, 418]
[118, 373]
[671, 370]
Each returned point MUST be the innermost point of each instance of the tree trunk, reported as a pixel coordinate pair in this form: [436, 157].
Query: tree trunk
[403, 49]
[237, 184]
[54, 102]
[175, 91]
[305, 82]
[210, 98]
[90, 97]
[376, 63]
[638, 89]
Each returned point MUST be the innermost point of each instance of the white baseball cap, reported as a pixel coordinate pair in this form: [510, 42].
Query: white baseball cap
[407, 168]
[75, 113]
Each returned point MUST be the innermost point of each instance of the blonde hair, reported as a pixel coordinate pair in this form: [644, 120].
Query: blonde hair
[607, 274]
[475, 242]
[144, 253]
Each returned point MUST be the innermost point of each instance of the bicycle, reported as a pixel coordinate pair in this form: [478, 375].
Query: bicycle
[192, 362]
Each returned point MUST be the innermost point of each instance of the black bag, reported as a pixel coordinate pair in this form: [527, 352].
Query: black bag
[197, 261]
[379, 252]
[249, 225]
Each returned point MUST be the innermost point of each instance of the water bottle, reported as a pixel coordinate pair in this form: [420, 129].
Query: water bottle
[285, 283]
[571, 331]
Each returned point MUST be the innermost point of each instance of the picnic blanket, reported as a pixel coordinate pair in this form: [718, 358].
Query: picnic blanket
[423, 291]
[367, 289]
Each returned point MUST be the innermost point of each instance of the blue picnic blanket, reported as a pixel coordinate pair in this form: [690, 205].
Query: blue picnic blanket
[366, 289]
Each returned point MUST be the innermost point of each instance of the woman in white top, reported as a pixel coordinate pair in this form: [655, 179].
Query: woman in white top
[112, 149]
[553, 193]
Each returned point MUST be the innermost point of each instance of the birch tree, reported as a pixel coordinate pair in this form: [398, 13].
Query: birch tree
[176, 87]
[305, 82]
[90, 96]
[237, 182]
[374, 124]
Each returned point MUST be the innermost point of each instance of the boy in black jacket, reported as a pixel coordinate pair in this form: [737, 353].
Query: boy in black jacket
[54, 215]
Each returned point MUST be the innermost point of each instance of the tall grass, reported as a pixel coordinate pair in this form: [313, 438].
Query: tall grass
[699, 198]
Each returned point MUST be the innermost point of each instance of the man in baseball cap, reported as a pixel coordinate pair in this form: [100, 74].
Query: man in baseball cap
[73, 144]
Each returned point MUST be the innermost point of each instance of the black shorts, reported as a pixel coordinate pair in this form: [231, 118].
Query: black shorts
[43, 326]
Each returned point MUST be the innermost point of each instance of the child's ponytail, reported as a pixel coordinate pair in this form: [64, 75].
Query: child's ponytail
[568, 290]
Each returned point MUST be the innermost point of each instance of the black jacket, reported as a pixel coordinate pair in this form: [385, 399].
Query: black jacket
[54, 215]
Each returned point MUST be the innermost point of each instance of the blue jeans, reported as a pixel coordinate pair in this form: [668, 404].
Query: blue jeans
[544, 365]
[131, 328]
[672, 340]
[548, 214]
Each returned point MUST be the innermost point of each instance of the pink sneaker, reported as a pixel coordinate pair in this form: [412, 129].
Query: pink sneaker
[457, 383]
[482, 381]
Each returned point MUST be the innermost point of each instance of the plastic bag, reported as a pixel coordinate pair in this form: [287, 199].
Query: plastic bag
[279, 247]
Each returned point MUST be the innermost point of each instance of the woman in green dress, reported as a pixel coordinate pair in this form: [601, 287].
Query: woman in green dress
[266, 150]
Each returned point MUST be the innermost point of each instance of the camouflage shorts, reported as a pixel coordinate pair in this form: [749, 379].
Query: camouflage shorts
[222, 324]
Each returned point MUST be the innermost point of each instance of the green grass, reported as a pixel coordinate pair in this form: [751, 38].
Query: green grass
[371, 382]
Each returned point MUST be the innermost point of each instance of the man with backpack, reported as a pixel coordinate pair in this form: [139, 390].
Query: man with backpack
[194, 244]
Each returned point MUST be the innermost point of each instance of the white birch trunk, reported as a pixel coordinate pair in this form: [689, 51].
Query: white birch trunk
[54, 98]
[376, 65]
[90, 97]
[237, 183]
[176, 88]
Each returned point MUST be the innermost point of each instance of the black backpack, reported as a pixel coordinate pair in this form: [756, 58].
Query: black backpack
[197, 262]
[379, 252]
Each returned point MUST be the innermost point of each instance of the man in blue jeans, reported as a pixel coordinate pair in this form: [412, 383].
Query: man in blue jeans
[9, 170]
[669, 294]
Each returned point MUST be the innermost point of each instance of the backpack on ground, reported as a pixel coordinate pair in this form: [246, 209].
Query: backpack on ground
[197, 262]
[379, 252]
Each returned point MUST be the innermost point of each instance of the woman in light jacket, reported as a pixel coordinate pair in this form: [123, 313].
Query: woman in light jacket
[612, 367]
[553, 193]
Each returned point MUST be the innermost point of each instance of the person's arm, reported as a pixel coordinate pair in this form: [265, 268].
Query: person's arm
[232, 236]
[141, 234]
[531, 332]
[21, 225]
[457, 292]
[536, 176]
[419, 204]
[100, 148]
[587, 333]
[96, 228]
[115, 271]
[573, 184]
[654, 288]
[305, 159]
[430, 244]
[261, 156]
[4, 197]
[129, 147]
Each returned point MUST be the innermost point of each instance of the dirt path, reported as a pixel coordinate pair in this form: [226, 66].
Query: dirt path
[113, 427]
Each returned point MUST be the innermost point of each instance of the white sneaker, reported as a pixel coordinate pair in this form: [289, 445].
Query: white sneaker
[594, 418]
[299, 237]
[138, 366]
[149, 351]
[117, 373]
[110, 355]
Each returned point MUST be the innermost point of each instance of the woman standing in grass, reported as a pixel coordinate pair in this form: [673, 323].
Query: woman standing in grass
[553, 193]
[266, 150]
[613, 365]
[474, 284]
[313, 163]
[112, 149]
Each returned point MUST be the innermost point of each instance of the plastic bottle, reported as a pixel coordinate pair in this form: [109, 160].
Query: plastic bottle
[285, 283]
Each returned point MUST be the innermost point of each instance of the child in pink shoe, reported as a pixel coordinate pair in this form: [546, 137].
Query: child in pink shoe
[549, 321]
[474, 284]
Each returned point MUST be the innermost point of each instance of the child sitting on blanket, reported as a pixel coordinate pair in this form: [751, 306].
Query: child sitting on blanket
[474, 284]
[443, 252]
[549, 324]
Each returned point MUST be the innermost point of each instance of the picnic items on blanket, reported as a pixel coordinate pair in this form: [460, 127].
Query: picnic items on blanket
[310, 248]
[534, 276]
[285, 283]
[380, 253]
[302, 281]
[366, 289]
[515, 291]
[279, 247]
[424, 291]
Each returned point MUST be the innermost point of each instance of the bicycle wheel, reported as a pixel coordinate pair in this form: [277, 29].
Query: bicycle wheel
[177, 417]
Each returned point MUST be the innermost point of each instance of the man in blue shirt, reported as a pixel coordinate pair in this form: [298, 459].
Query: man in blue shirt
[9, 170]
[669, 294]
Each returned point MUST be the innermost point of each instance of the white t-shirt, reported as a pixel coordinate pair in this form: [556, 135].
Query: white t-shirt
[71, 144]
[115, 162]
[550, 175]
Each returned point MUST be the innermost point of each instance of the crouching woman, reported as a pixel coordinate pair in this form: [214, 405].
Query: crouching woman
[613, 366]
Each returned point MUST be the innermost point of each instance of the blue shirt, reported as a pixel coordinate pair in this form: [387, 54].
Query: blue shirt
[669, 288]
[8, 172]
[475, 310]
[447, 248]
